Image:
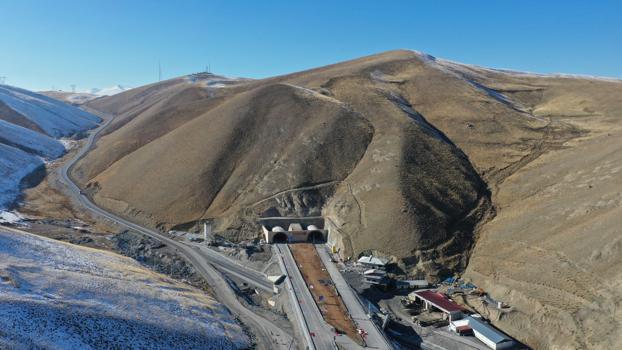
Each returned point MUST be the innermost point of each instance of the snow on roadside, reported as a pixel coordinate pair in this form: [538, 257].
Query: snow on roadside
[60, 296]
[68, 144]
[10, 217]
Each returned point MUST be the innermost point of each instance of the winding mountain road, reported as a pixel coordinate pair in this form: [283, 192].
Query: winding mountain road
[269, 336]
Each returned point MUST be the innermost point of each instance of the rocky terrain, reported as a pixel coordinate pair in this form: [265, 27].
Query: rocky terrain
[158, 257]
[510, 177]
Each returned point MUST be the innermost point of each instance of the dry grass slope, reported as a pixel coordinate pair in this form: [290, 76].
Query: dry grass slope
[435, 163]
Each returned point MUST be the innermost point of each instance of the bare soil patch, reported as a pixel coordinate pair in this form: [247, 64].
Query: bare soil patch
[323, 290]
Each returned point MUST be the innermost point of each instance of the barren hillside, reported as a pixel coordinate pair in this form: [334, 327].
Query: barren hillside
[410, 156]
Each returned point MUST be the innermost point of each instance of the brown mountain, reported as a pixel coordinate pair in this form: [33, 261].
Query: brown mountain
[434, 163]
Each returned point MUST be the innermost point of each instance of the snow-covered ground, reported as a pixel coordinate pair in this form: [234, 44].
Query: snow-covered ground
[24, 147]
[55, 118]
[210, 80]
[30, 141]
[81, 97]
[55, 295]
[113, 90]
[10, 217]
[15, 164]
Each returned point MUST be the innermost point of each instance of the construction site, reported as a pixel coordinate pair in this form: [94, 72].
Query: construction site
[355, 297]
[324, 292]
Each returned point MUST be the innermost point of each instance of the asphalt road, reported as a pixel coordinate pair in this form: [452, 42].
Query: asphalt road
[293, 297]
[269, 336]
[319, 332]
[226, 265]
[375, 337]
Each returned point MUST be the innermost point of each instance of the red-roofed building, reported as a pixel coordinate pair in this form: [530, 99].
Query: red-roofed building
[439, 301]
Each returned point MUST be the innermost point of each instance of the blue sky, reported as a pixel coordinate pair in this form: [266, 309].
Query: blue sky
[45, 44]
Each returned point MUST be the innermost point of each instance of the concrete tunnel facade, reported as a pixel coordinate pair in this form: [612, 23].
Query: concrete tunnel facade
[298, 230]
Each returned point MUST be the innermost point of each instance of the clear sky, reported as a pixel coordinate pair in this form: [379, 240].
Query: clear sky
[97, 43]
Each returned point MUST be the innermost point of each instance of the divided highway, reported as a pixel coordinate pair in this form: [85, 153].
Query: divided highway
[269, 336]
[303, 316]
[231, 267]
[375, 337]
[310, 317]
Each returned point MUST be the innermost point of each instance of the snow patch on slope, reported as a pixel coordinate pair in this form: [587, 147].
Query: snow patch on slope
[56, 118]
[21, 147]
[516, 73]
[210, 80]
[15, 165]
[113, 90]
[59, 296]
[472, 77]
[30, 141]
[68, 144]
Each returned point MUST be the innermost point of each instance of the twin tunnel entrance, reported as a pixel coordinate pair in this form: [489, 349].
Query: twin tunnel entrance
[300, 229]
[280, 237]
[312, 237]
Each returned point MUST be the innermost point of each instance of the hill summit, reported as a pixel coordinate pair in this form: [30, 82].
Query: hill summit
[443, 167]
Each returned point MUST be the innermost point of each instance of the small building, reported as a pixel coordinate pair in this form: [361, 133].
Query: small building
[375, 272]
[411, 284]
[461, 327]
[373, 262]
[382, 281]
[483, 331]
[439, 301]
